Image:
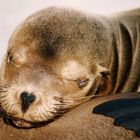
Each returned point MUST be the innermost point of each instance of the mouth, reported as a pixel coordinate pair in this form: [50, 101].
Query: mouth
[21, 123]
[24, 124]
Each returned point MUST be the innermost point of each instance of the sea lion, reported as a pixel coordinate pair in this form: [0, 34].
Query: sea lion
[58, 58]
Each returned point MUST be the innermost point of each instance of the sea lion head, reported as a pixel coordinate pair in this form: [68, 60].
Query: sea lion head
[50, 66]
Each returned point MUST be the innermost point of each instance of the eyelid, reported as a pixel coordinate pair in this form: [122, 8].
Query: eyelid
[9, 58]
[82, 82]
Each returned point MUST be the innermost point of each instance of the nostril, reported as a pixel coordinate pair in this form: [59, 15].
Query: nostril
[25, 96]
[26, 99]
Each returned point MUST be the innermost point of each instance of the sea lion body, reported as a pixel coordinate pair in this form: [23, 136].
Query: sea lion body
[58, 58]
[126, 48]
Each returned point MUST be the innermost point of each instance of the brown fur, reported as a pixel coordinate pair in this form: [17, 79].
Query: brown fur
[64, 57]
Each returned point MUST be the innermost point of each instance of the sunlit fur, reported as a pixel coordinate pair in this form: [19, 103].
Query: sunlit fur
[65, 57]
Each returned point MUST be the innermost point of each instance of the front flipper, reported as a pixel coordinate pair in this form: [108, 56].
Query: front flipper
[126, 112]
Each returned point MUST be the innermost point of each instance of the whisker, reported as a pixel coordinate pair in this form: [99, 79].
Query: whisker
[6, 105]
[4, 86]
[58, 110]
[3, 101]
[2, 96]
[45, 115]
[11, 107]
[3, 83]
[76, 98]
[42, 116]
[49, 113]
[60, 105]
[86, 97]
[3, 90]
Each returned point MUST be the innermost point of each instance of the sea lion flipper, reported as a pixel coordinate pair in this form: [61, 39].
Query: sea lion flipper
[126, 113]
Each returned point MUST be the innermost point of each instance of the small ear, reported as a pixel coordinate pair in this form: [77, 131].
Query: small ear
[103, 83]
[103, 71]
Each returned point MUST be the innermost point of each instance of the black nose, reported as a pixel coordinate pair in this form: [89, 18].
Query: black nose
[26, 99]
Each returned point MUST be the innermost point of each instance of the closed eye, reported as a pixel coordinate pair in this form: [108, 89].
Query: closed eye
[82, 82]
[9, 58]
